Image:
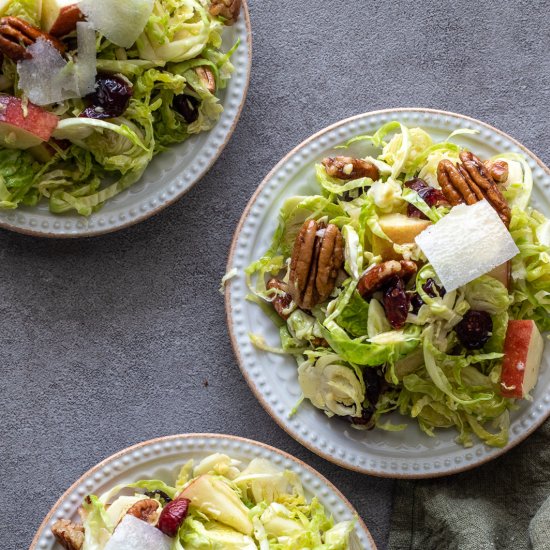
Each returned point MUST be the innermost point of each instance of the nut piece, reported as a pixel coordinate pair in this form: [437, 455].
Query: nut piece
[281, 302]
[228, 9]
[146, 510]
[349, 168]
[316, 259]
[17, 35]
[498, 169]
[470, 182]
[376, 277]
[207, 77]
[68, 534]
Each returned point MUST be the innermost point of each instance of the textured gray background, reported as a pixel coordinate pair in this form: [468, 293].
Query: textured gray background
[107, 342]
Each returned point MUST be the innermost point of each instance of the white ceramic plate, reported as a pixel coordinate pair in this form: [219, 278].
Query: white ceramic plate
[169, 176]
[273, 378]
[162, 459]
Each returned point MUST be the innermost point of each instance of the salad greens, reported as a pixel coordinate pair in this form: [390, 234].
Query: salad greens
[243, 507]
[352, 361]
[173, 70]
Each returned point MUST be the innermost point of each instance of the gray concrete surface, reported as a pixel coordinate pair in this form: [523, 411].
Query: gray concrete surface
[107, 342]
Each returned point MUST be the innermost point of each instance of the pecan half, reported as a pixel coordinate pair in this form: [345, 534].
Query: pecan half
[70, 535]
[498, 169]
[17, 35]
[470, 182]
[281, 302]
[228, 9]
[207, 77]
[376, 277]
[349, 168]
[317, 257]
[146, 510]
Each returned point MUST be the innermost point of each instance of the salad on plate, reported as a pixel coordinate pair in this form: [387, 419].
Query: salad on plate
[219, 503]
[91, 91]
[416, 280]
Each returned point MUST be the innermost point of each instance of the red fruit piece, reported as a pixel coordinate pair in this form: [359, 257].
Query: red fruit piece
[396, 303]
[111, 97]
[173, 515]
[23, 127]
[475, 329]
[430, 195]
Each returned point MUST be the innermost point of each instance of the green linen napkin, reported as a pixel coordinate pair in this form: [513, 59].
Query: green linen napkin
[502, 505]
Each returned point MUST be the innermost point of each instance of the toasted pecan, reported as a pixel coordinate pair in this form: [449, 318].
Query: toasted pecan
[146, 510]
[349, 168]
[228, 9]
[70, 535]
[16, 35]
[470, 181]
[375, 277]
[317, 257]
[498, 169]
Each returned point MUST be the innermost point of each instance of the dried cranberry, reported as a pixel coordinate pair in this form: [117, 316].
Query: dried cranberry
[416, 302]
[111, 97]
[374, 383]
[173, 515]
[158, 493]
[363, 420]
[432, 289]
[187, 106]
[430, 195]
[396, 303]
[475, 329]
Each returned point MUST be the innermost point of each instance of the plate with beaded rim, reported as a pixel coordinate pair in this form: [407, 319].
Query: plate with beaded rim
[273, 378]
[162, 459]
[170, 174]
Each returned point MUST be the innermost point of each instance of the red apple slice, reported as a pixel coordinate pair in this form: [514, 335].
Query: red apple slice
[523, 349]
[24, 127]
[59, 17]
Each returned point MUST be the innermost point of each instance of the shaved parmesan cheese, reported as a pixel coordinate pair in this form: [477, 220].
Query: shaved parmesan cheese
[47, 78]
[42, 77]
[86, 63]
[120, 22]
[467, 243]
[132, 533]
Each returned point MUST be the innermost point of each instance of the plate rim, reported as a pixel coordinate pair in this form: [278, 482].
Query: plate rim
[98, 231]
[128, 450]
[295, 434]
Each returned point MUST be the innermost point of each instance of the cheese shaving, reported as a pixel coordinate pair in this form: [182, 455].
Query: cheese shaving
[467, 243]
[48, 78]
[121, 22]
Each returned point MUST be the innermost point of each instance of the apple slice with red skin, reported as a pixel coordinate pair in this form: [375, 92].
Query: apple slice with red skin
[24, 127]
[523, 347]
[59, 17]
